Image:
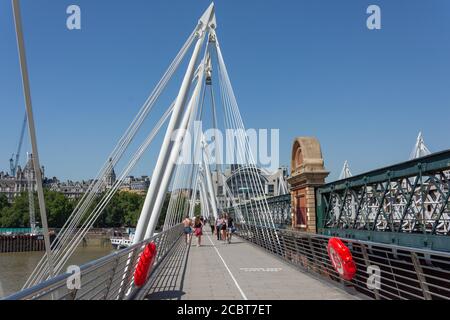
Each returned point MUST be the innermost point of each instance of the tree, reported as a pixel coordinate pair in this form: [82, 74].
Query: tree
[16, 215]
[3, 202]
[59, 208]
[123, 210]
[162, 216]
[198, 210]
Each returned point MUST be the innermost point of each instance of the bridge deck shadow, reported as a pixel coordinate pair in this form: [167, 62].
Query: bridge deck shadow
[166, 283]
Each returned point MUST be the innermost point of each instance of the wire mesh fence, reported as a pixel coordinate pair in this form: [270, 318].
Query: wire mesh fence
[108, 278]
[384, 272]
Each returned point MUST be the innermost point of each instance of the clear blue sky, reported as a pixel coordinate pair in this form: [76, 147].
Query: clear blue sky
[310, 68]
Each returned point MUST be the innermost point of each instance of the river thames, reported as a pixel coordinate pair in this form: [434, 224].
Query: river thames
[16, 267]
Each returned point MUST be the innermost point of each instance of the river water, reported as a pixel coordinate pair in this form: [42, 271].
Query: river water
[16, 267]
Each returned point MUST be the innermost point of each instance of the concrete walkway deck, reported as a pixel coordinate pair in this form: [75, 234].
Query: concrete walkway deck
[236, 271]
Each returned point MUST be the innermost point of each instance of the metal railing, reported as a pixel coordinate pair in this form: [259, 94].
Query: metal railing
[279, 210]
[18, 230]
[383, 271]
[405, 204]
[108, 278]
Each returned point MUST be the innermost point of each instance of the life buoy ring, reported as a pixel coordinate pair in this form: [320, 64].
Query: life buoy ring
[341, 258]
[145, 263]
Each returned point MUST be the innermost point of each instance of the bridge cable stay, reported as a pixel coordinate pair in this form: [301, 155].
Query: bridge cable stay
[180, 211]
[88, 224]
[282, 186]
[258, 189]
[192, 202]
[204, 199]
[178, 199]
[179, 144]
[98, 183]
[197, 174]
[173, 140]
[231, 202]
[134, 127]
[177, 202]
[186, 180]
[95, 187]
[233, 192]
[208, 162]
[176, 195]
[77, 238]
[184, 122]
[206, 153]
[264, 216]
[208, 177]
[204, 207]
[149, 216]
[193, 198]
[186, 176]
[253, 180]
[206, 193]
[420, 149]
[345, 173]
[150, 102]
[63, 253]
[161, 193]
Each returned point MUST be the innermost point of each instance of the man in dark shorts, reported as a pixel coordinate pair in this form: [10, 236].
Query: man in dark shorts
[187, 229]
[224, 228]
[219, 222]
[230, 228]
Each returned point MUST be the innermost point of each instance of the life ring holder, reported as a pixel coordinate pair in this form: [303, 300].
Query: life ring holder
[341, 258]
[144, 265]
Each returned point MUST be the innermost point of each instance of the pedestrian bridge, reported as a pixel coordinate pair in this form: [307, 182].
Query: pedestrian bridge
[236, 271]
[216, 270]
[394, 221]
[296, 267]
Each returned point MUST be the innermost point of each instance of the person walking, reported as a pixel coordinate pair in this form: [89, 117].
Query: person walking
[230, 228]
[219, 227]
[198, 227]
[212, 224]
[224, 228]
[187, 229]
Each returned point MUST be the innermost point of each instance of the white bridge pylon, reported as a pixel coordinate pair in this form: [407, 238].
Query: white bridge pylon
[420, 149]
[190, 183]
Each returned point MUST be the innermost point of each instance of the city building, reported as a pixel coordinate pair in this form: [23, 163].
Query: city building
[236, 183]
[71, 189]
[12, 186]
[25, 178]
[135, 185]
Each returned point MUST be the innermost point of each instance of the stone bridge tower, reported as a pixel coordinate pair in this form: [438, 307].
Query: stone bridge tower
[307, 173]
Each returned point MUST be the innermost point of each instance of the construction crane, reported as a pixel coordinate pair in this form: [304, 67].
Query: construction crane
[14, 161]
[30, 178]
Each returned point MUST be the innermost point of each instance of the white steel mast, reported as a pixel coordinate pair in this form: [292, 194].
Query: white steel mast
[32, 130]
[144, 227]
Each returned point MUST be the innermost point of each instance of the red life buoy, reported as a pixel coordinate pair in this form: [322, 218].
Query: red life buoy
[341, 258]
[145, 263]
